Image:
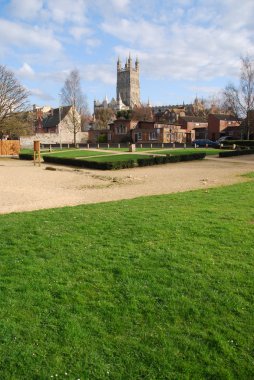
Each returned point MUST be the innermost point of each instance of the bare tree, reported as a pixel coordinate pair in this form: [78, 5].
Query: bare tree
[103, 117]
[14, 118]
[241, 99]
[142, 113]
[72, 95]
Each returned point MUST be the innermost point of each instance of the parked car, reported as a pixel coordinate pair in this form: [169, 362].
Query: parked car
[225, 138]
[205, 143]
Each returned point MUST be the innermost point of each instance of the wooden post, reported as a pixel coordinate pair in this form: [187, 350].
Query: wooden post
[37, 153]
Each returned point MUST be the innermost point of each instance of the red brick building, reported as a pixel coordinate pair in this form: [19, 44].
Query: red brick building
[223, 125]
[198, 125]
[120, 131]
[152, 132]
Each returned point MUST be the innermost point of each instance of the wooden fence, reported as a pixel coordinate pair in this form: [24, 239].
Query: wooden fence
[9, 147]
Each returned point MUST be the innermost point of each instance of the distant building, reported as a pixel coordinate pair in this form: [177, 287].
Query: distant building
[152, 132]
[223, 125]
[168, 114]
[127, 88]
[54, 126]
[197, 124]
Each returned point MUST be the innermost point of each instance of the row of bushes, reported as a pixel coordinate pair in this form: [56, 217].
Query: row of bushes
[89, 164]
[153, 160]
[232, 153]
[26, 156]
[241, 143]
[158, 160]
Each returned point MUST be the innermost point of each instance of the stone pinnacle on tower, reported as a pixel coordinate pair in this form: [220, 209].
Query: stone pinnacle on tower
[119, 64]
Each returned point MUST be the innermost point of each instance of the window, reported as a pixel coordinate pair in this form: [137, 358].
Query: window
[153, 135]
[121, 130]
[139, 135]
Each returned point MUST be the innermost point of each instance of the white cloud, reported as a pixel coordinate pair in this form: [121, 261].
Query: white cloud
[92, 42]
[26, 71]
[62, 11]
[38, 93]
[26, 36]
[120, 5]
[79, 32]
[25, 9]
[103, 73]
[144, 34]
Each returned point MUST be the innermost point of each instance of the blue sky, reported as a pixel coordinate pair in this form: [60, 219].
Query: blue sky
[185, 47]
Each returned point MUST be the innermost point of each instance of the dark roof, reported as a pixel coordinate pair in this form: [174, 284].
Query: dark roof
[52, 118]
[194, 119]
[221, 116]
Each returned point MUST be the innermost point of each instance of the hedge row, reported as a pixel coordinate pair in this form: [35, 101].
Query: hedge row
[157, 160]
[243, 143]
[232, 153]
[89, 164]
[26, 156]
[153, 160]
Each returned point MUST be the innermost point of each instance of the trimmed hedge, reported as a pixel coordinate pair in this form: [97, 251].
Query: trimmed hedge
[158, 160]
[241, 143]
[90, 164]
[236, 153]
[26, 156]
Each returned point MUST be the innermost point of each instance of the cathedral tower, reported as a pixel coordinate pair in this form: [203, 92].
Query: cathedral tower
[127, 87]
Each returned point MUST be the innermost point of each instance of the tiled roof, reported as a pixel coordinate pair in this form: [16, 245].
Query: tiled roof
[221, 116]
[53, 117]
[194, 119]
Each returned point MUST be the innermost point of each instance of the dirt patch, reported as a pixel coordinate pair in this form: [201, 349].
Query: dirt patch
[25, 187]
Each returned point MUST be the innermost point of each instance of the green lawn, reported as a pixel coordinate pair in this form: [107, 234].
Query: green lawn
[208, 151]
[152, 288]
[78, 153]
[118, 157]
[127, 149]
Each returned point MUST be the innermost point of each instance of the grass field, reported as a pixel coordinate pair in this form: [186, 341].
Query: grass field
[127, 149]
[78, 153]
[72, 153]
[176, 152]
[173, 151]
[152, 288]
[118, 157]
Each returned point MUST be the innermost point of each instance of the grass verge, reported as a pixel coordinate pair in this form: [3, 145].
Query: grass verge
[180, 151]
[152, 288]
[118, 157]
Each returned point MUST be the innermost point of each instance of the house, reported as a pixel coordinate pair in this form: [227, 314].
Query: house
[168, 115]
[223, 125]
[197, 124]
[152, 132]
[55, 126]
[121, 130]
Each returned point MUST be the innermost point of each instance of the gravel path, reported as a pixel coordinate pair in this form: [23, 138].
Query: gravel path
[25, 187]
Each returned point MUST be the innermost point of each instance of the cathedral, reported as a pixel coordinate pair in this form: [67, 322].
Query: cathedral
[127, 88]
